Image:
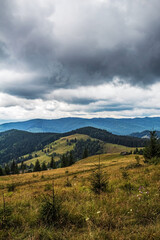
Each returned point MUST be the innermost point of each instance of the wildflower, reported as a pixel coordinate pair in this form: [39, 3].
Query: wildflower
[98, 212]
[130, 210]
[87, 218]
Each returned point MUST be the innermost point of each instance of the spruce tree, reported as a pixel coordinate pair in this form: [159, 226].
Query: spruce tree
[71, 161]
[153, 149]
[85, 153]
[52, 163]
[1, 171]
[44, 167]
[7, 169]
[37, 166]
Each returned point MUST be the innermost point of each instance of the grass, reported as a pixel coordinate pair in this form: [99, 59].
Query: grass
[61, 147]
[130, 210]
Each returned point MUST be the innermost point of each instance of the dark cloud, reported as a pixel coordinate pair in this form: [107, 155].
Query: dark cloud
[88, 46]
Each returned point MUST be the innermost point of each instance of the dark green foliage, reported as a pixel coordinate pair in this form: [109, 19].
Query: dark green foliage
[86, 148]
[85, 153]
[67, 183]
[50, 209]
[11, 187]
[5, 215]
[128, 187]
[109, 137]
[64, 161]
[7, 169]
[44, 167]
[1, 171]
[125, 174]
[23, 167]
[151, 152]
[15, 143]
[99, 181]
[14, 168]
[52, 163]
[37, 166]
[70, 160]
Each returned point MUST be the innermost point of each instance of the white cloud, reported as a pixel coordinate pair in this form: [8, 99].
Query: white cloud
[107, 100]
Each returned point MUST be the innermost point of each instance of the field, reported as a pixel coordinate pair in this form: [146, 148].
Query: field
[130, 209]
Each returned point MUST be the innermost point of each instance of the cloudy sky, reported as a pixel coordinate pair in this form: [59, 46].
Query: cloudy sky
[79, 58]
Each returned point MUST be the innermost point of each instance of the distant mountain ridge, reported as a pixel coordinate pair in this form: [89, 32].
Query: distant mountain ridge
[144, 134]
[124, 126]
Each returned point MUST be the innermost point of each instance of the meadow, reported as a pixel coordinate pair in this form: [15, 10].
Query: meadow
[60, 147]
[129, 209]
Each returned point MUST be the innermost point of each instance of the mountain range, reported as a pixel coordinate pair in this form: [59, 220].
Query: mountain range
[144, 134]
[124, 126]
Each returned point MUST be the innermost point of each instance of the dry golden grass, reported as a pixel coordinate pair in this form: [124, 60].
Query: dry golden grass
[122, 213]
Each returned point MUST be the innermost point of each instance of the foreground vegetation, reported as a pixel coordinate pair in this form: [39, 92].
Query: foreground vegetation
[61, 204]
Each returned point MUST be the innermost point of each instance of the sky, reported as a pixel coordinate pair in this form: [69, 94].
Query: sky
[79, 58]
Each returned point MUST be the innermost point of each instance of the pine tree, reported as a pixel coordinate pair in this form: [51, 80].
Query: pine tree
[85, 153]
[37, 166]
[52, 163]
[1, 171]
[7, 169]
[63, 161]
[44, 167]
[153, 149]
[71, 161]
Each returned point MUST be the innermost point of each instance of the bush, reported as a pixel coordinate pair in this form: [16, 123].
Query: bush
[11, 187]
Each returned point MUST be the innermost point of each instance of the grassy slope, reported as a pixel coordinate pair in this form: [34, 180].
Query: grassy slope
[60, 147]
[119, 214]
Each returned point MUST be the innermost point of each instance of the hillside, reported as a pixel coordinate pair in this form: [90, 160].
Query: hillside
[128, 210]
[67, 144]
[16, 143]
[117, 126]
[109, 137]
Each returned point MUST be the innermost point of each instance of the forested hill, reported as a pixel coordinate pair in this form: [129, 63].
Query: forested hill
[105, 136]
[15, 143]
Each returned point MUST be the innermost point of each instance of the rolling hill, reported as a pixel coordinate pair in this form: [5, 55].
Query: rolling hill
[67, 144]
[16, 143]
[123, 126]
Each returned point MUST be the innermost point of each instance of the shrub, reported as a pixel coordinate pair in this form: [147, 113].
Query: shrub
[11, 187]
[125, 175]
[99, 182]
[67, 183]
[5, 215]
[50, 209]
[128, 187]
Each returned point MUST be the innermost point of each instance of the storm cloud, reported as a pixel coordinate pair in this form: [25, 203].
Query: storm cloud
[53, 46]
